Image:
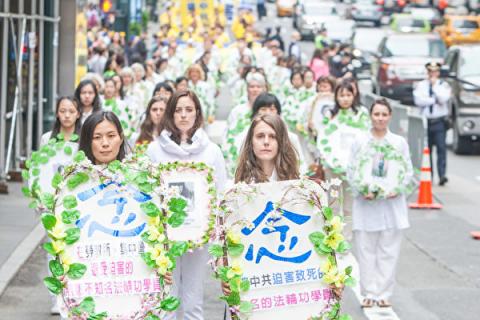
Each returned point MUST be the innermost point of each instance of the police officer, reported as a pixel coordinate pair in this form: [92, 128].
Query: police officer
[432, 96]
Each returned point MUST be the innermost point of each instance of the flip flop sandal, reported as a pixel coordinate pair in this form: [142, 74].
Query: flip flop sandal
[384, 304]
[368, 303]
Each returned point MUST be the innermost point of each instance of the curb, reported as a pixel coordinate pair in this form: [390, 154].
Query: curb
[19, 256]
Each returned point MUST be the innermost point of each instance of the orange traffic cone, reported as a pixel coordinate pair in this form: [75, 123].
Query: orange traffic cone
[425, 195]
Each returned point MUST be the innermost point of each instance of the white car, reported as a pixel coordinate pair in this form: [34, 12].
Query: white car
[313, 16]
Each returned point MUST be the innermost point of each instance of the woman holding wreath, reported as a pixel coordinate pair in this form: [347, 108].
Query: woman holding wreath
[183, 139]
[378, 222]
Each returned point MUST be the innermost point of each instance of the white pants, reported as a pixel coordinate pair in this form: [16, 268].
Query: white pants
[344, 204]
[377, 254]
[188, 278]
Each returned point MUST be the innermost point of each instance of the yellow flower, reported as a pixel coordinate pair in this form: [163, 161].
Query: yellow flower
[154, 234]
[333, 240]
[163, 263]
[330, 277]
[58, 231]
[58, 246]
[156, 251]
[327, 266]
[235, 270]
[340, 279]
[233, 237]
[337, 224]
[66, 261]
[153, 221]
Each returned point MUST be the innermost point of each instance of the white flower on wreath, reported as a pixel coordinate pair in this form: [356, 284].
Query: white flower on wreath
[334, 193]
[336, 182]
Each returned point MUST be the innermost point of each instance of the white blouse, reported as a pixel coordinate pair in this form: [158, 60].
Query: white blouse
[381, 214]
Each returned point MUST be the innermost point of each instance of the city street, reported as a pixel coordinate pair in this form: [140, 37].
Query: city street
[438, 274]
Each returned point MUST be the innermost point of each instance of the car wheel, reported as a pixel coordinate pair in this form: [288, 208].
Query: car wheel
[378, 24]
[461, 145]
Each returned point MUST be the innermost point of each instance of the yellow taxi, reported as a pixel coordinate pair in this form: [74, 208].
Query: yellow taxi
[460, 29]
[285, 7]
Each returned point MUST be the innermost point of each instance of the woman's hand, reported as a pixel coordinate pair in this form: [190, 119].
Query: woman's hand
[392, 195]
[168, 278]
[369, 196]
[226, 289]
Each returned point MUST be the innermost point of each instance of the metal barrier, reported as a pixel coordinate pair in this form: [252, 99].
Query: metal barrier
[406, 122]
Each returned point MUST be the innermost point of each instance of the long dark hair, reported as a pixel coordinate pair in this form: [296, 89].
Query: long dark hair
[57, 126]
[122, 94]
[163, 85]
[349, 86]
[147, 127]
[168, 122]
[266, 100]
[96, 101]
[88, 128]
[286, 163]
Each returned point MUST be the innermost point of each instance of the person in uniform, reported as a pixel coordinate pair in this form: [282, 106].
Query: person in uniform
[432, 96]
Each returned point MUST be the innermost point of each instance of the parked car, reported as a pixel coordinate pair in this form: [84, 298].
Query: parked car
[400, 63]
[285, 7]
[313, 16]
[408, 23]
[432, 15]
[365, 45]
[366, 11]
[392, 6]
[339, 30]
[462, 71]
[459, 30]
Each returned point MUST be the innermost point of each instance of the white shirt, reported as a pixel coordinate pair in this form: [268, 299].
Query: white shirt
[382, 214]
[439, 101]
[163, 149]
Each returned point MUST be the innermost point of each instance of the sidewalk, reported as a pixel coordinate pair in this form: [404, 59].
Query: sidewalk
[20, 233]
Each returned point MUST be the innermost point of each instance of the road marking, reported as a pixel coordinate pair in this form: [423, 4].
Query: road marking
[375, 313]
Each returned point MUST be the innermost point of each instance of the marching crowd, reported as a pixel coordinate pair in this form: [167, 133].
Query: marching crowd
[281, 127]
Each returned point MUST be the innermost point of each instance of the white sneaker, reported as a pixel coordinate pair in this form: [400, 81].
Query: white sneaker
[55, 310]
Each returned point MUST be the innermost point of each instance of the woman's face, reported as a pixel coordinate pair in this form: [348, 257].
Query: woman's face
[67, 113]
[106, 142]
[194, 75]
[267, 110]
[380, 116]
[157, 111]
[87, 95]
[185, 114]
[138, 74]
[118, 83]
[162, 92]
[127, 79]
[182, 85]
[109, 90]
[345, 99]
[254, 89]
[324, 87]
[265, 145]
[297, 81]
[308, 79]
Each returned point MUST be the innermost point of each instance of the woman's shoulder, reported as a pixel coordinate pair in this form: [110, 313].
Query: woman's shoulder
[45, 138]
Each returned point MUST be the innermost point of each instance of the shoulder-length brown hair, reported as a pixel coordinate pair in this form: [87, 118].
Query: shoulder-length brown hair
[147, 127]
[168, 122]
[286, 163]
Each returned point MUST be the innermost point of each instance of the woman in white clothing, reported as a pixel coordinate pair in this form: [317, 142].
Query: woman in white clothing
[183, 139]
[67, 120]
[378, 223]
[88, 98]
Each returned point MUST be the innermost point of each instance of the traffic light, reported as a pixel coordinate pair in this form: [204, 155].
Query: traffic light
[106, 5]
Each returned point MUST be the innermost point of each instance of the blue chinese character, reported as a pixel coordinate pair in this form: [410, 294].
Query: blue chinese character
[113, 197]
[282, 230]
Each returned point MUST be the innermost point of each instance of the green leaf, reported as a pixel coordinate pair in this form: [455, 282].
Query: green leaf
[114, 166]
[79, 156]
[35, 172]
[233, 299]
[327, 212]
[74, 137]
[345, 317]
[343, 246]
[73, 234]
[25, 174]
[57, 178]
[47, 199]
[151, 317]
[145, 239]
[235, 250]
[49, 248]
[56, 268]
[216, 250]
[86, 306]
[53, 285]
[245, 285]
[76, 271]
[70, 216]
[48, 221]
[350, 282]
[150, 209]
[324, 248]
[176, 219]
[76, 180]
[316, 237]
[68, 150]
[178, 248]
[177, 204]
[246, 307]
[98, 316]
[26, 191]
[69, 202]
[170, 304]
[348, 270]
[148, 260]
